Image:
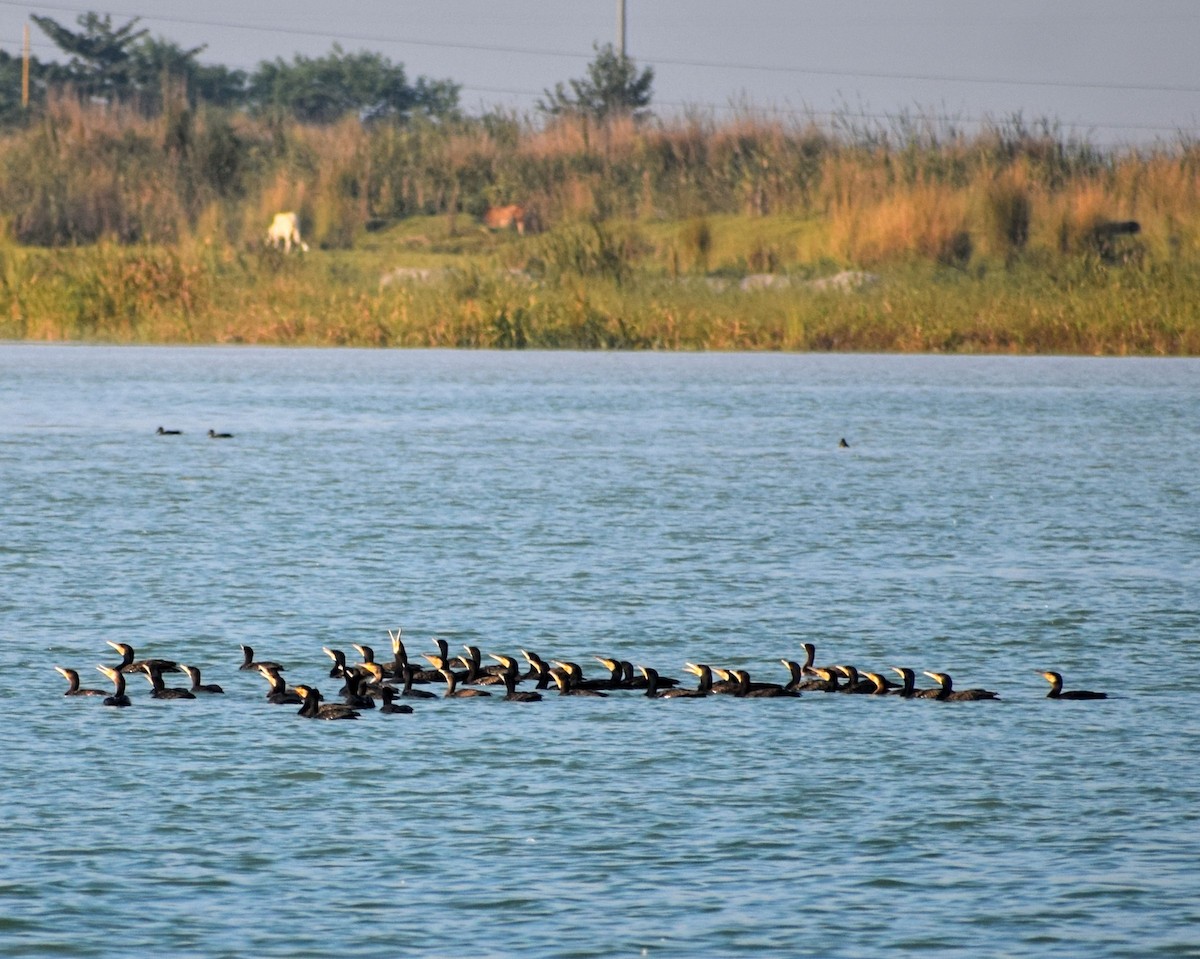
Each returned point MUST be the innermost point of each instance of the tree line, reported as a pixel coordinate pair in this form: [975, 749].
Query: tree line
[125, 64]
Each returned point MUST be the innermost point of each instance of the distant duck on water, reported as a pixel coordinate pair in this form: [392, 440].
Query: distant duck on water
[214, 435]
[161, 432]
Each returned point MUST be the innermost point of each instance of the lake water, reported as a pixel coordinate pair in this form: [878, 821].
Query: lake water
[991, 518]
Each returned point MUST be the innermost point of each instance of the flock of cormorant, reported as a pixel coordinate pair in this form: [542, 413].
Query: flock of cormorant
[466, 676]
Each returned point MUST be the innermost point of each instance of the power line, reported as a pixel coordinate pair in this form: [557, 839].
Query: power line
[657, 61]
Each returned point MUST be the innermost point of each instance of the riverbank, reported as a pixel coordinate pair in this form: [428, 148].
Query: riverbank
[746, 235]
[402, 289]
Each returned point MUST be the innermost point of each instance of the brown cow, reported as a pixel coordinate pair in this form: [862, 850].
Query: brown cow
[507, 217]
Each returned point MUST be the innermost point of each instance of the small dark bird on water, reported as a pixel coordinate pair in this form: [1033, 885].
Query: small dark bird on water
[214, 435]
[161, 432]
[842, 444]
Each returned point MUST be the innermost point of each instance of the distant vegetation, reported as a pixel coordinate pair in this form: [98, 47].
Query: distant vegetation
[141, 218]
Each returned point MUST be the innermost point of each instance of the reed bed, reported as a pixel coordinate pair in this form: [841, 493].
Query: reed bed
[127, 229]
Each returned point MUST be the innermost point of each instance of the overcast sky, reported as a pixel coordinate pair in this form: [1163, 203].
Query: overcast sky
[1112, 71]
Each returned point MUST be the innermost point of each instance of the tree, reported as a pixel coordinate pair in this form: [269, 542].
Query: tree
[325, 89]
[613, 87]
[102, 58]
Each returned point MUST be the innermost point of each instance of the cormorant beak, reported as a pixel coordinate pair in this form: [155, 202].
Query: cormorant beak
[692, 668]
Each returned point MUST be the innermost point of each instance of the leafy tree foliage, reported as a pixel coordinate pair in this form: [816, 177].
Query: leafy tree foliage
[613, 87]
[102, 60]
[325, 89]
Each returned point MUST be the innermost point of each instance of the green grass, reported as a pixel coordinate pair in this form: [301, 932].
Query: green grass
[633, 300]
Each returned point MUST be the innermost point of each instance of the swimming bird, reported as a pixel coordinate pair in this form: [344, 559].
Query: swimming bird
[727, 686]
[160, 690]
[249, 662]
[514, 695]
[118, 698]
[338, 670]
[1056, 691]
[313, 708]
[452, 690]
[479, 674]
[539, 669]
[949, 693]
[908, 690]
[562, 679]
[353, 695]
[653, 692]
[73, 687]
[881, 684]
[161, 432]
[853, 683]
[760, 691]
[843, 444]
[800, 684]
[827, 680]
[399, 655]
[214, 435]
[278, 694]
[389, 694]
[128, 665]
[576, 680]
[406, 674]
[193, 673]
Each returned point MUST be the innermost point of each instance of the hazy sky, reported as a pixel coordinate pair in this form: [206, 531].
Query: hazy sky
[1114, 71]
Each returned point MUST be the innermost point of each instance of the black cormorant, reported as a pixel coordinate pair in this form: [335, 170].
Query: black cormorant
[128, 665]
[704, 672]
[313, 709]
[193, 673]
[406, 674]
[950, 694]
[161, 432]
[278, 694]
[118, 698]
[214, 435]
[389, 693]
[1056, 691]
[452, 690]
[566, 687]
[653, 692]
[249, 662]
[746, 689]
[514, 695]
[159, 690]
[576, 680]
[908, 690]
[73, 688]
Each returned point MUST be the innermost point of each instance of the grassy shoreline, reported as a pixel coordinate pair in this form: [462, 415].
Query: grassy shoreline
[120, 294]
[122, 229]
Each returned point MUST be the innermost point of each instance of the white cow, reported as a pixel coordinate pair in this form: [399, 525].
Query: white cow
[285, 232]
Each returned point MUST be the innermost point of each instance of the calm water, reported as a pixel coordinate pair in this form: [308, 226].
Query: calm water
[992, 517]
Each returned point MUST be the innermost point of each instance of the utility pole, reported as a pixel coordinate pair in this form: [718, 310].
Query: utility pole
[25, 70]
[621, 29]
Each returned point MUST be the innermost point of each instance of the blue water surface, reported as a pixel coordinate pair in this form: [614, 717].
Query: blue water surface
[990, 518]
